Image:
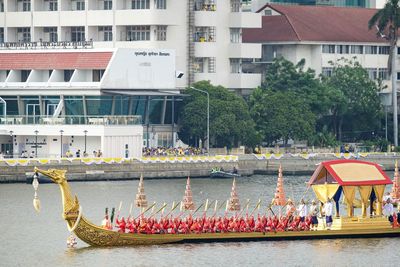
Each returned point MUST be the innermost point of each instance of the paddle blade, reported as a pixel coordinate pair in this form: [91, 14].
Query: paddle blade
[36, 204]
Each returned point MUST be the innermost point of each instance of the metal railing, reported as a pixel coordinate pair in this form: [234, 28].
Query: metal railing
[72, 120]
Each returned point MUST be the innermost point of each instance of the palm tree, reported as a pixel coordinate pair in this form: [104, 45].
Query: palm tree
[387, 20]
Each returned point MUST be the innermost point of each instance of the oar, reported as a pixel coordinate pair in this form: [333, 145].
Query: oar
[258, 205]
[198, 208]
[163, 206]
[145, 211]
[270, 207]
[220, 206]
[240, 212]
[207, 207]
[130, 210]
[119, 209]
[173, 208]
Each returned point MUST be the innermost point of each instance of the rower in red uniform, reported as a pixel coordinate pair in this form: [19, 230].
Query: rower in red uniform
[121, 224]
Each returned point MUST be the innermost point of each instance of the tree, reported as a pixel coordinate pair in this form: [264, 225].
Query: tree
[355, 104]
[388, 18]
[281, 115]
[230, 121]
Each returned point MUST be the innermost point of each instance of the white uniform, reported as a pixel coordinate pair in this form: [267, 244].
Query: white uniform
[328, 209]
[388, 209]
[313, 210]
[302, 210]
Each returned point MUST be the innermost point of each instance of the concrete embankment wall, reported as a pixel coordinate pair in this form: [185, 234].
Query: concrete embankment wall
[247, 165]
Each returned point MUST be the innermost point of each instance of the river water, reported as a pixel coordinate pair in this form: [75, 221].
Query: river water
[32, 239]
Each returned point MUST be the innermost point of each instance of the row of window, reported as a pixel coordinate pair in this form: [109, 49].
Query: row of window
[356, 49]
[77, 34]
[373, 73]
[52, 5]
[24, 74]
[237, 65]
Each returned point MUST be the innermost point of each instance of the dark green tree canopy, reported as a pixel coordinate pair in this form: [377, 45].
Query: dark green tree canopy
[230, 120]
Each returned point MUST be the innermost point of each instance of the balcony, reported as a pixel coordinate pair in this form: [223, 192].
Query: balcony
[18, 19]
[72, 18]
[205, 49]
[99, 17]
[205, 18]
[72, 120]
[45, 19]
[244, 20]
[244, 80]
[244, 50]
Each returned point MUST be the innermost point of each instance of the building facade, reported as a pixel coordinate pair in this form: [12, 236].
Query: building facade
[205, 33]
[322, 35]
[257, 4]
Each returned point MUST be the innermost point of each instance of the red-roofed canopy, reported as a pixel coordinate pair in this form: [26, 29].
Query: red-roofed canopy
[296, 23]
[349, 173]
[54, 60]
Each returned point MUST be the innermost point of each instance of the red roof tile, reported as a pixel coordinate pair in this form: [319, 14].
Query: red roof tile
[54, 60]
[314, 23]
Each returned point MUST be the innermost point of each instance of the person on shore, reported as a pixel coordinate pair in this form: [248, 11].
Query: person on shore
[314, 213]
[388, 210]
[302, 210]
[78, 153]
[328, 210]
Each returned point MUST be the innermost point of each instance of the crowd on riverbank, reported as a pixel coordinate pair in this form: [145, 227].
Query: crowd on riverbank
[173, 151]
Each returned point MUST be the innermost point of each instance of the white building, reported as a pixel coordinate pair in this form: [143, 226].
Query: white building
[113, 100]
[321, 35]
[205, 33]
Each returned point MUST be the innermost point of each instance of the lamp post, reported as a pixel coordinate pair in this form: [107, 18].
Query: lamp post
[36, 133]
[12, 142]
[208, 116]
[61, 143]
[85, 132]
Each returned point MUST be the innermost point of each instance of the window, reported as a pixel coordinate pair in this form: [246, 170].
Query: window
[235, 65]
[383, 74]
[1, 6]
[236, 5]
[398, 76]
[327, 71]
[343, 49]
[198, 65]
[161, 33]
[97, 75]
[107, 4]
[356, 49]
[1, 35]
[77, 34]
[328, 49]
[105, 33]
[24, 5]
[24, 34]
[68, 75]
[371, 49]
[161, 4]
[51, 34]
[236, 35]
[25, 75]
[78, 5]
[138, 33]
[140, 4]
[51, 5]
[372, 73]
[384, 50]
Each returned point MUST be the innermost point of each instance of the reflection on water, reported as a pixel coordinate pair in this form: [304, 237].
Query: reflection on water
[40, 239]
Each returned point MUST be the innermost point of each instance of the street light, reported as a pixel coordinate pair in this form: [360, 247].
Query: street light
[36, 133]
[61, 143]
[12, 142]
[208, 116]
[85, 132]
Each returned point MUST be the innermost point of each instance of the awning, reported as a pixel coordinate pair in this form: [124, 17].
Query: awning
[349, 172]
[144, 92]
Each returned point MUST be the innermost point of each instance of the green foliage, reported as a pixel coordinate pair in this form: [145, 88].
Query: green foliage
[354, 101]
[230, 121]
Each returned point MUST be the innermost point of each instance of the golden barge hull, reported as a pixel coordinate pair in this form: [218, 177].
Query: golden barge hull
[96, 236]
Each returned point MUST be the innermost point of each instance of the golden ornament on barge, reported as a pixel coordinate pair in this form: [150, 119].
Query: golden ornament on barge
[327, 179]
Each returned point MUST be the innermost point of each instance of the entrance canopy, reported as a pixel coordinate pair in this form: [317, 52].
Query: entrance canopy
[349, 173]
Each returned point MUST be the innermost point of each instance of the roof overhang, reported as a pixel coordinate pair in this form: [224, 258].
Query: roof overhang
[143, 92]
[349, 173]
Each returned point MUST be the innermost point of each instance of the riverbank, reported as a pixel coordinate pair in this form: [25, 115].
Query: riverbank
[161, 168]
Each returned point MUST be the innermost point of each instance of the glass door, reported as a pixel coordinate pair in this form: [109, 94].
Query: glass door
[32, 113]
[50, 109]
